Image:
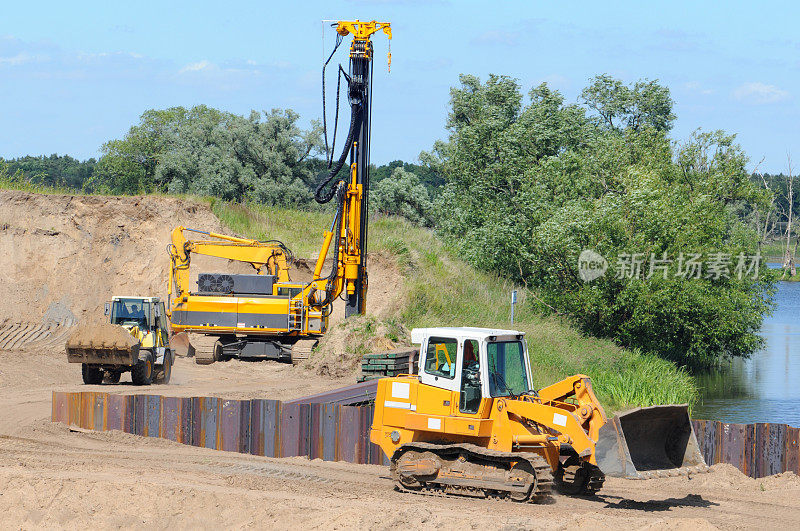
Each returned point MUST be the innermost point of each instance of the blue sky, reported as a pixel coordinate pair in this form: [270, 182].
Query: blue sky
[75, 74]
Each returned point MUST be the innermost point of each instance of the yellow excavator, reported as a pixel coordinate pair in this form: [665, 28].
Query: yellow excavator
[264, 315]
[470, 423]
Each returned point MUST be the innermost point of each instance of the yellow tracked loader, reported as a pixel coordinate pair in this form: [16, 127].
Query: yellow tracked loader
[470, 423]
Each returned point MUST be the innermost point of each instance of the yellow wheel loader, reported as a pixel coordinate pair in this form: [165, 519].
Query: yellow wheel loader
[470, 423]
[135, 340]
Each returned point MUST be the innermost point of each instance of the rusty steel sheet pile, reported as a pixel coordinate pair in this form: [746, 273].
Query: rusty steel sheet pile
[270, 428]
[335, 432]
[359, 394]
[758, 450]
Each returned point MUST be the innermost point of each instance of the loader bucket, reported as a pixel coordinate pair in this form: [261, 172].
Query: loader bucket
[180, 345]
[105, 344]
[649, 442]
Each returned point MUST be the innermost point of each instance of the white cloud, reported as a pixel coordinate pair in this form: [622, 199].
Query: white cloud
[759, 93]
[671, 40]
[698, 88]
[554, 80]
[21, 59]
[198, 67]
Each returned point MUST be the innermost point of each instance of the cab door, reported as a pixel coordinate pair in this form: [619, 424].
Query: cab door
[159, 332]
[470, 382]
[438, 375]
[161, 324]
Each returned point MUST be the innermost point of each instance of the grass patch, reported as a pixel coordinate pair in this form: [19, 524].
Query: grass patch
[442, 290]
[301, 231]
[18, 182]
[773, 251]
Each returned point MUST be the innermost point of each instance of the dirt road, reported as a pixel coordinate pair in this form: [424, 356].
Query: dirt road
[53, 477]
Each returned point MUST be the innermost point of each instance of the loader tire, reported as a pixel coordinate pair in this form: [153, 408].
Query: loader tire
[142, 373]
[113, 376]
[166, 369]
[91, 375]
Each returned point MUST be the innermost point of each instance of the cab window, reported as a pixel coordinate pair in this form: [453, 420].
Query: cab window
[131, 312]
[507, 372]
[470, 397]
[440, 358]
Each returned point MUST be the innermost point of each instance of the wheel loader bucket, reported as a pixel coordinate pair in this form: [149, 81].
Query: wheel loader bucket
[649, 442]
[180, 345]
[102, 344]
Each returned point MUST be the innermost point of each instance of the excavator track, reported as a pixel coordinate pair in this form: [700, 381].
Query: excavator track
[469, 470]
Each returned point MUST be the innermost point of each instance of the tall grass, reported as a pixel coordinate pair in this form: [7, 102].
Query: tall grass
[17, 181]
[773, 250]
[301, 231]
[442, 290]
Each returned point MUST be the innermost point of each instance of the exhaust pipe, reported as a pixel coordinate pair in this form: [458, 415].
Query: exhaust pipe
[649, 442]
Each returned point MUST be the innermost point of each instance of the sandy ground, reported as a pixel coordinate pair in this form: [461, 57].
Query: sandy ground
[51, 477]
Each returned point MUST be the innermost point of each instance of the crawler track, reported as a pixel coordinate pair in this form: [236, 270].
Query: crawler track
[469, 470]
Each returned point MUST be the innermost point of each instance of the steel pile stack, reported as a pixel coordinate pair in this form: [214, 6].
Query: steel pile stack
[392, 363]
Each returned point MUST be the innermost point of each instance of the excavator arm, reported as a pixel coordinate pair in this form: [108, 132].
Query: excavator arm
[269, 257]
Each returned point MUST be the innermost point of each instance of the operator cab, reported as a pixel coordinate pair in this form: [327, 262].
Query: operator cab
[476, 363]
[131, 312]
[146, 313]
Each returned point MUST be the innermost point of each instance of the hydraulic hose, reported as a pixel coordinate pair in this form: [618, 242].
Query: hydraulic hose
[336, 227]
[328, 153]
[355, 124]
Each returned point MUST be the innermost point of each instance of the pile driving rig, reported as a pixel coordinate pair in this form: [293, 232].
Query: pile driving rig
[264, 315]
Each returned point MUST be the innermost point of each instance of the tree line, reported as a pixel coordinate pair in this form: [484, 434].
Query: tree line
[265, 157]
[534, 183]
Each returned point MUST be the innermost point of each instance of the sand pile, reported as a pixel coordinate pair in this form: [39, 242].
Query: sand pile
[64, 256]
[101, 335]
[340, 351]
[78, 251]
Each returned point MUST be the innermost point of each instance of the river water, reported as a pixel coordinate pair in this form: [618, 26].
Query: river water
[766, 387]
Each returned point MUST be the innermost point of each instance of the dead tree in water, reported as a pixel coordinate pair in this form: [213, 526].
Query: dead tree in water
[789, 251]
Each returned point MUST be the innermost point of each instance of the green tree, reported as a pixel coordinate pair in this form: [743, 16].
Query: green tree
[60, 171]
[128, 165]
[262, 157]
[530, 186]
[427, 176]
[645, 103]
[402, 194]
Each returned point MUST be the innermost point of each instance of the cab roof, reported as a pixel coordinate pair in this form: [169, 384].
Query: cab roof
[461, 332]
[140, 298]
